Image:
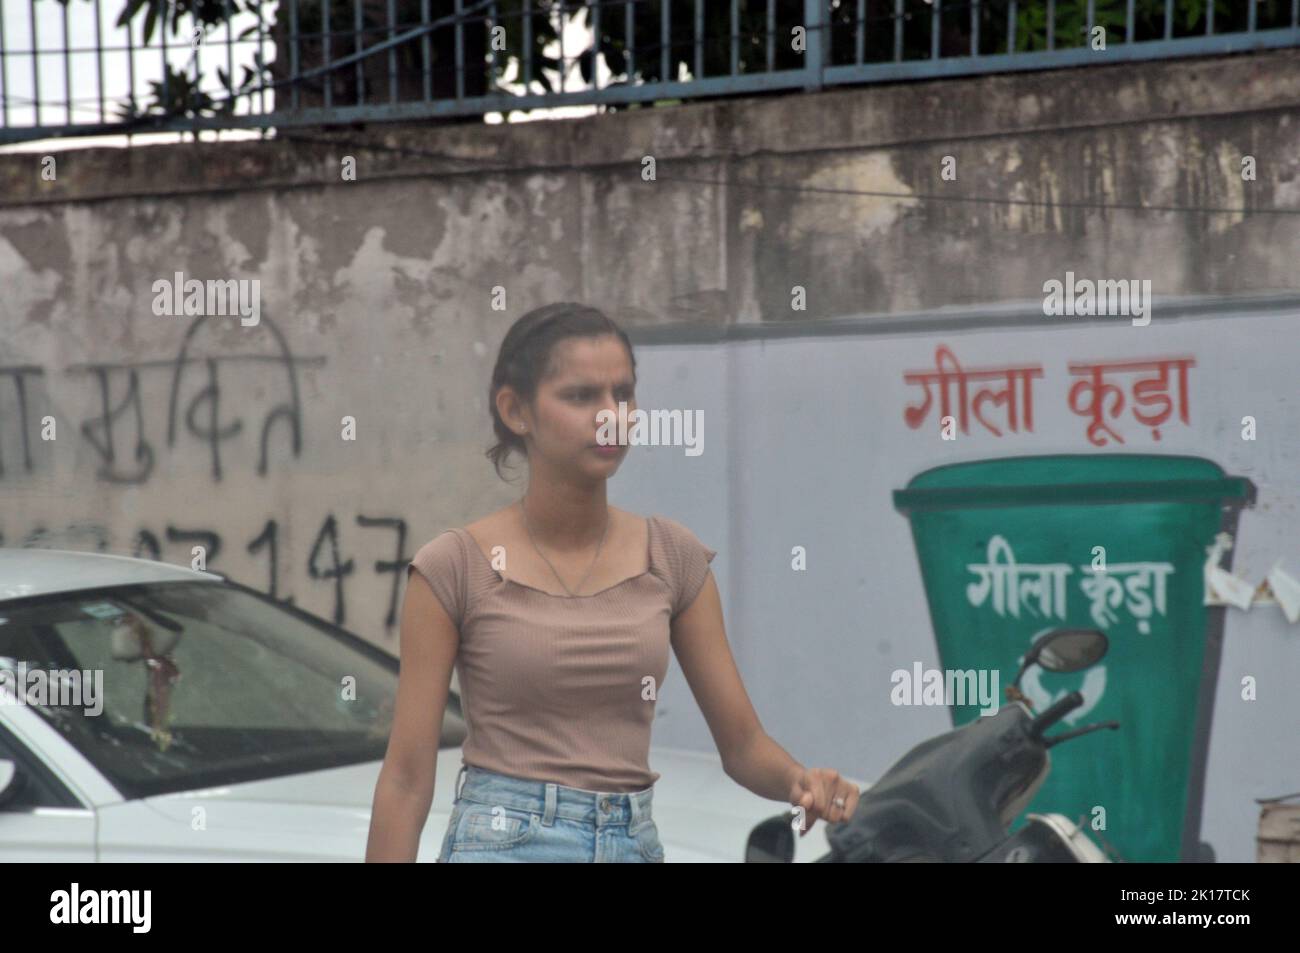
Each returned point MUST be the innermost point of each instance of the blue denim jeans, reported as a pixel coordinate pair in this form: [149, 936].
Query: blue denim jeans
[498, 818]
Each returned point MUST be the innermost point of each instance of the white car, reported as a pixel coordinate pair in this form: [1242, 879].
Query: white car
[226, 725]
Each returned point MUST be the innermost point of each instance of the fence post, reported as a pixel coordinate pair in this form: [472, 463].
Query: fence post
[814, 22]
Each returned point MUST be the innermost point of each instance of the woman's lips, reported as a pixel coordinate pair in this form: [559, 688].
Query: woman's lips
[608, 450]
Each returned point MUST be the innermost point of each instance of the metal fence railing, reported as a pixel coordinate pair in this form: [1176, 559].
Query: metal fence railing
[74, 68]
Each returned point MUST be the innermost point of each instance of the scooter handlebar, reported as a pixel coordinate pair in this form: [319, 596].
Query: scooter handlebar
[1054, 714]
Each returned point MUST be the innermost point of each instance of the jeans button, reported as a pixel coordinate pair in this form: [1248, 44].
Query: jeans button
[604, 804]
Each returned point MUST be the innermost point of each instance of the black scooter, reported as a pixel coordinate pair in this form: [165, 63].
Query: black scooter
[951, 798]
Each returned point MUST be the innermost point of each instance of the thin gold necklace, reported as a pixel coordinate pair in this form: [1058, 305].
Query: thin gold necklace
[548, 562]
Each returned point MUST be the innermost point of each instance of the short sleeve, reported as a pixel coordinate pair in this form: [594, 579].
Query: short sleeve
[689, 567]
[441, 562]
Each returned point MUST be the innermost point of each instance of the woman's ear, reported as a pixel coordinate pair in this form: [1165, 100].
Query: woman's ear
[507, 405]
[512, 411]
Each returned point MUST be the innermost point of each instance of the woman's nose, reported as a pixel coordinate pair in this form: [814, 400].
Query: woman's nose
[610, 407]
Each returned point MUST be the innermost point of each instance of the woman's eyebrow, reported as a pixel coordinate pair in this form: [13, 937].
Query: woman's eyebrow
[587, 385]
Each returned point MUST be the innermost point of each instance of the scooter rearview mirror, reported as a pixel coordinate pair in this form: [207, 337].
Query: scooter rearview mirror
[1065, 650]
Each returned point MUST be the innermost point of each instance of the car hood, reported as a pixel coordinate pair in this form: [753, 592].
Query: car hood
[316, 816]
[702, 816]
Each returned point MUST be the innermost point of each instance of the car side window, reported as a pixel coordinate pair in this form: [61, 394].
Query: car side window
[36, 786]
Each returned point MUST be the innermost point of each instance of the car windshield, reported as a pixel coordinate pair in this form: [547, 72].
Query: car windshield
[171, 686]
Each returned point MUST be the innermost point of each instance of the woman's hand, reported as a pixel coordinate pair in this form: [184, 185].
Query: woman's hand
[821, 792]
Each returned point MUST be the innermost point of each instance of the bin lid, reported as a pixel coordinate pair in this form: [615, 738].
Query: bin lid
[1068, 478]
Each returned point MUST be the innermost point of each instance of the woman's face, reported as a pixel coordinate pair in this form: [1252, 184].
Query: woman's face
[587, 375]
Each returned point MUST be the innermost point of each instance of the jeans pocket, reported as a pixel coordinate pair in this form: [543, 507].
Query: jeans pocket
[493, 827]
[453, 819]
[647, 840]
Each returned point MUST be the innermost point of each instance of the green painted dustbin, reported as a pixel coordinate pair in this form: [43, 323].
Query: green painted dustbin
[1011, 547]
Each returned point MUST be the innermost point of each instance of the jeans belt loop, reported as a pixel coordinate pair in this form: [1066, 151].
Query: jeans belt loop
[552, 791]
[460, 776]
[638, 810]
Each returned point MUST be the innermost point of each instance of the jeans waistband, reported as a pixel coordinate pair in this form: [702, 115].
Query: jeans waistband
[598, 808]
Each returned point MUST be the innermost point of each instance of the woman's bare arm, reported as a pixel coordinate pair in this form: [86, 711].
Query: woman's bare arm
[404, 792]
[750, 756]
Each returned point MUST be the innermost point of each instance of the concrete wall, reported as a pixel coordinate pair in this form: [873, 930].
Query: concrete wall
[375, 304]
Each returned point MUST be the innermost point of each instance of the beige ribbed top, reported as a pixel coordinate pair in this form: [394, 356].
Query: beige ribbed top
[557, 688]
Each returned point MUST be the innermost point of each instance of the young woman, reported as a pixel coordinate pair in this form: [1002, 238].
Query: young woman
[558, 612]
